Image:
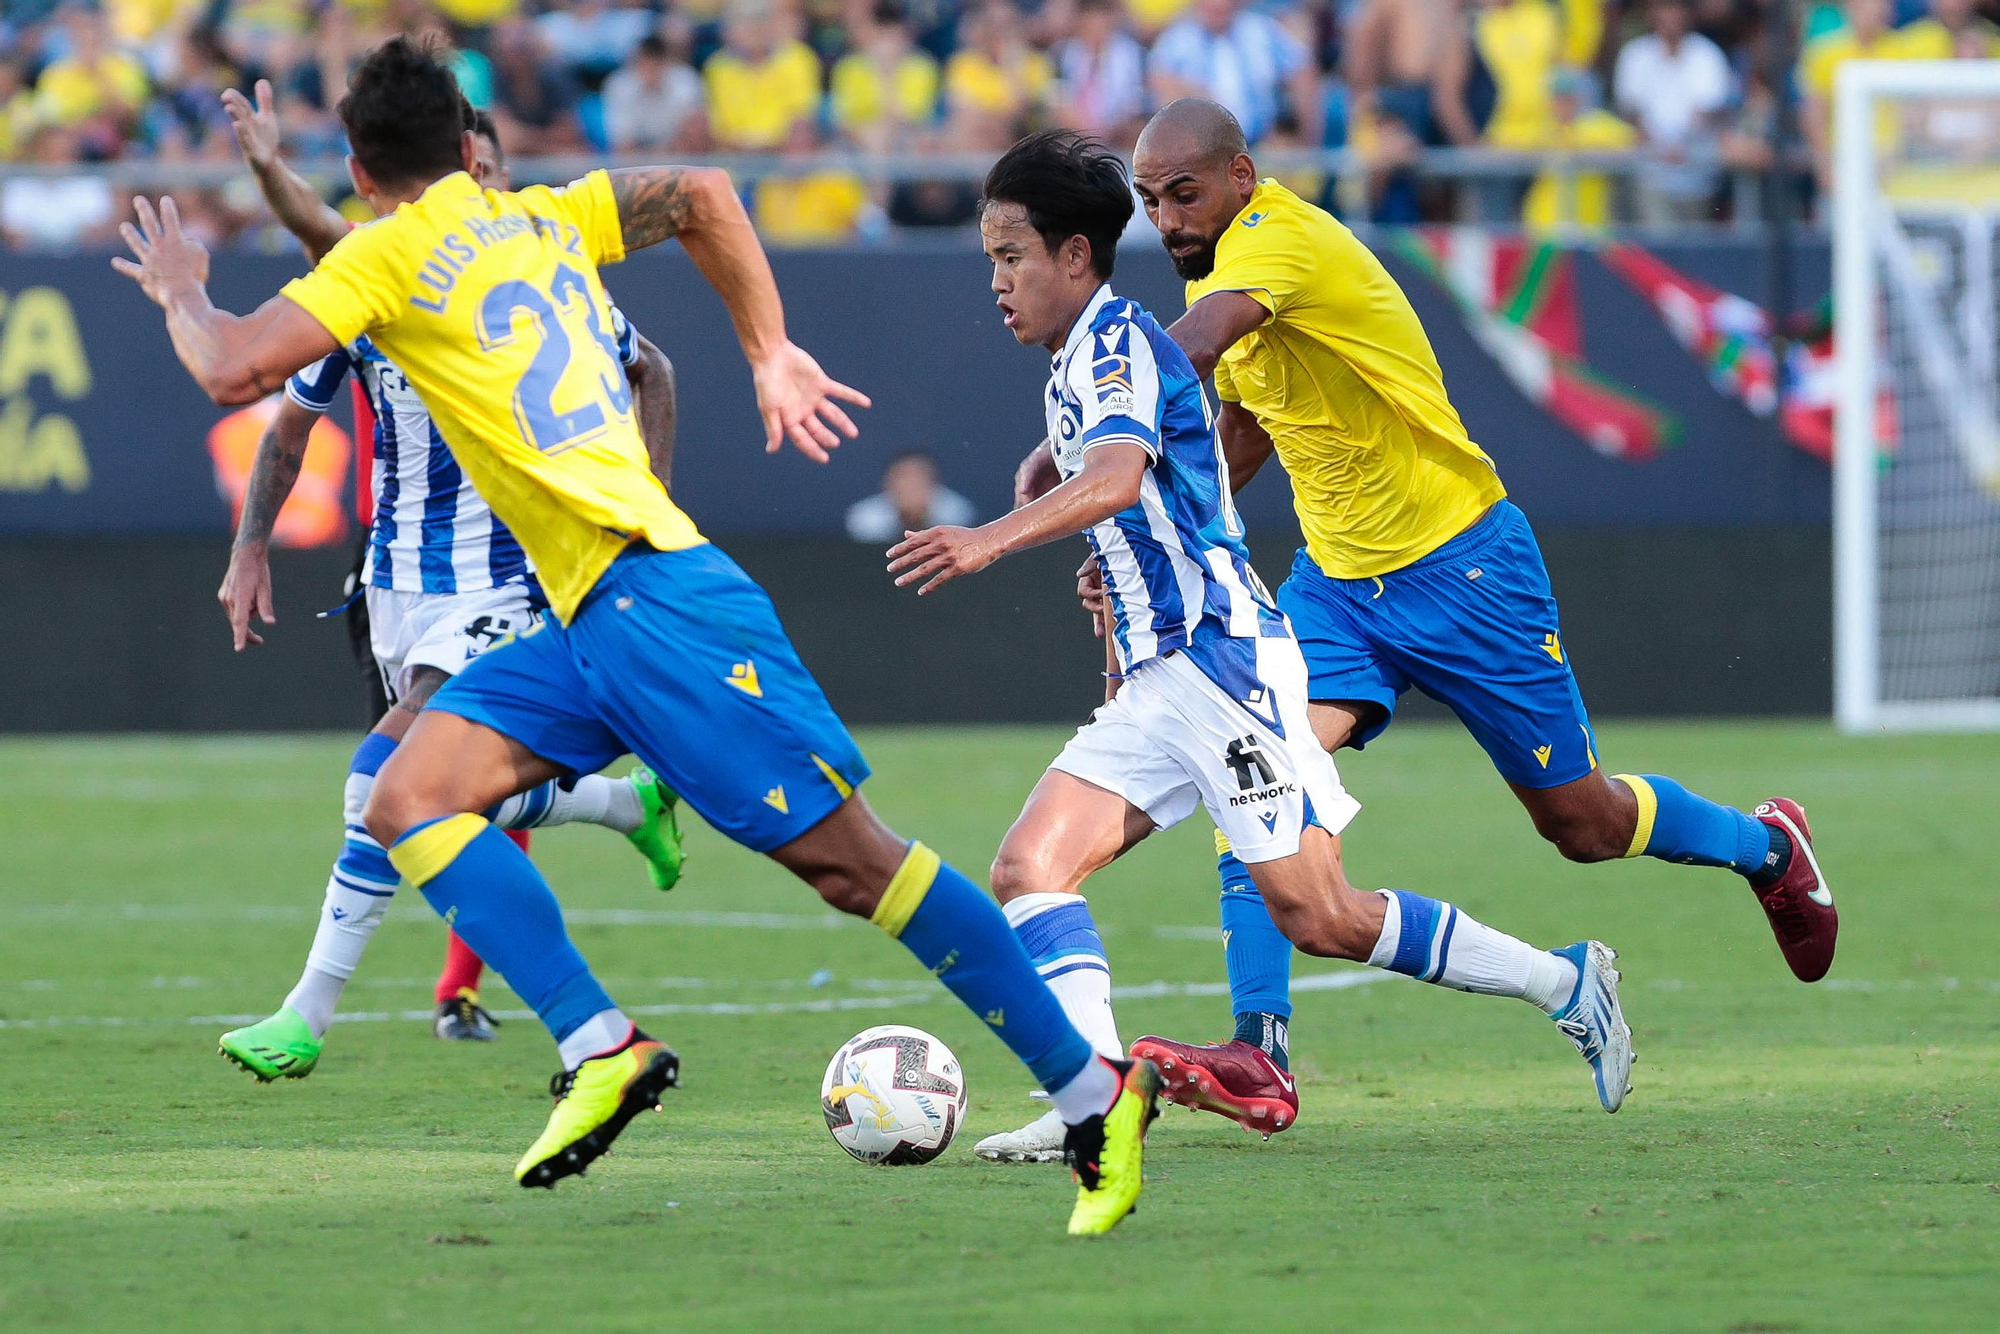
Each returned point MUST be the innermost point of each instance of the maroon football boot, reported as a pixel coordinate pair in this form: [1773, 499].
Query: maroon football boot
[1235, 1079]
[1799, 903]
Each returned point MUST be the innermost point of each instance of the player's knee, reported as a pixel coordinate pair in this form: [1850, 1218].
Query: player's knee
[389, 811]
[1014, 873]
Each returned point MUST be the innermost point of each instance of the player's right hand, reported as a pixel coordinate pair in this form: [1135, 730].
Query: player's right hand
[1090, 592]
[796, 399]
[256, 127]
[246, 588]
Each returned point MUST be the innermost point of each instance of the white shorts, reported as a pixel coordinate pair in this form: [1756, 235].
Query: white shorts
[441, 630]
[1173, 739]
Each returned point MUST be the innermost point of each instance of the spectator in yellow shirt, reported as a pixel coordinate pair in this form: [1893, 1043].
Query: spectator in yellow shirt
[1866, 36]
[1951, 30]
[95, 88]
[1150, 16]
[477, 13]
[17, 109]
[762, 81]
[1562, 199]
[1521, 42]
[995, 82]
[135, 21]
[810, 205]
[885, 91]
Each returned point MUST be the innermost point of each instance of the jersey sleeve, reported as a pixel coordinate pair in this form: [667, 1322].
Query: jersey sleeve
[1225, 381]
[360, 285]
[1117, 387]
[626, 336]
[587, 204]
[314, 387]
[1265, 257]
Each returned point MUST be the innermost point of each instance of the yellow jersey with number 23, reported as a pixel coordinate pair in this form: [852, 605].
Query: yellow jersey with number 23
[491, 305]
[1342, 377]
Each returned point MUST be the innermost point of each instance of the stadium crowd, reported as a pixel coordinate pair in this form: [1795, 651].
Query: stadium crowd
[1680, 84]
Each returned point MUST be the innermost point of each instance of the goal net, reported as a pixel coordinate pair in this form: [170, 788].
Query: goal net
[1916, 234]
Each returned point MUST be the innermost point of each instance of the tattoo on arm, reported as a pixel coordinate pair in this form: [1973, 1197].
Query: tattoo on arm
[280, 454]
[654, 203]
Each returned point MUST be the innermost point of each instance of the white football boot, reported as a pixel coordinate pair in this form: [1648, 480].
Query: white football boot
[1039, 1141]
[1595, 1021]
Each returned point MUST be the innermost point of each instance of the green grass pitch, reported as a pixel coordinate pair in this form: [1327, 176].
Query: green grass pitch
[1791, 1158]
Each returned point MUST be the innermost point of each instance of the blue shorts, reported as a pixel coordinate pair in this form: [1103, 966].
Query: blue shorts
[1473, 625]
[677, 657]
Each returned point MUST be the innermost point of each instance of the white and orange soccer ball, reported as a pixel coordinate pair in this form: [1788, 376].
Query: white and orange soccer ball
[893, 1096]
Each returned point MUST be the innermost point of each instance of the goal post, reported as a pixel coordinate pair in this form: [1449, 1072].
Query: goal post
[1916, 474]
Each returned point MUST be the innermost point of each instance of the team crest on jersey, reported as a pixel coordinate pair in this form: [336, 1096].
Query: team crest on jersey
[1111, 372]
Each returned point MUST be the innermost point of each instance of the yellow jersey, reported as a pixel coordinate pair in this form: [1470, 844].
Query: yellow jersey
[1343, 378]
[490, 304]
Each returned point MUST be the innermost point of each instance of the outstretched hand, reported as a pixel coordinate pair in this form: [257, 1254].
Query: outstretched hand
[256, 126]
[169, 260]
[797, 401]
[939, 555]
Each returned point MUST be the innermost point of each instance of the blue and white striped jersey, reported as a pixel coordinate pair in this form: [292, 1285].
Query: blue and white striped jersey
[432, 532]
[1174, 564]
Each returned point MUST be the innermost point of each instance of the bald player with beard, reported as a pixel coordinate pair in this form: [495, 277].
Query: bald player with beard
[1417, 571]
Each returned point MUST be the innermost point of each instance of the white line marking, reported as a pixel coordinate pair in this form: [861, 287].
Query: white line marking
[1340, 981]
[118, 914]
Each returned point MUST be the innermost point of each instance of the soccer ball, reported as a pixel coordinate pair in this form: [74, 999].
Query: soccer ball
[893, 1096]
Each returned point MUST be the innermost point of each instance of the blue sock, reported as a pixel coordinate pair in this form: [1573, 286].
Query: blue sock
[488, 891]
[363, 865]
[960, 934]
[1259, 960]
[1675, 825]
[372, 754]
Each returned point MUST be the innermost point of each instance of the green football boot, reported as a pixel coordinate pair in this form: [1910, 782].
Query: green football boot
[658, 837]
[279, 1046]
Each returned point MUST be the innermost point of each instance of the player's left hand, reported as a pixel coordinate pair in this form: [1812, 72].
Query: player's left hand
[169, 259]
[796, 399]
[942, 554]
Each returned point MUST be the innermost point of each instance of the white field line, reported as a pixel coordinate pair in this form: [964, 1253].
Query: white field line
[1340, 981]
[120, 914]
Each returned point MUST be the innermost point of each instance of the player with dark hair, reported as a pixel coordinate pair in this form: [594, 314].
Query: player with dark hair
[490, 302]
[1206, 703]
[441, 579]
[1417, 571]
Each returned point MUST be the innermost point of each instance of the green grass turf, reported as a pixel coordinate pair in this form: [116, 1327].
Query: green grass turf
[1791, 1158]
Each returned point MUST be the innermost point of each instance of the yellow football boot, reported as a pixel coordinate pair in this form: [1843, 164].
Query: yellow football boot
[593, 1103]
[1105, 1152]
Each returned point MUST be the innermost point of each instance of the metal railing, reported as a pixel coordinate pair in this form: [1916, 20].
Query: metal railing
[1749, 191]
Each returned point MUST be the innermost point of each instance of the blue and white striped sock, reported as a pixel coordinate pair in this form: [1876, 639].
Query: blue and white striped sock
[1432, 941]
[587, 799]
[1057, 932]
[357, 897]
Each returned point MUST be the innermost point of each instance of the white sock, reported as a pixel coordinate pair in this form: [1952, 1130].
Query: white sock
[1433, 941]
[1088, 1094]
[600, 1033]
[357, 898]
[591, 799]
[1061, 937]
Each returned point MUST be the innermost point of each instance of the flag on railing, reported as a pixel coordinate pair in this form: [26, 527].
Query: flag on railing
[1734, 340]
[1730, 336]
[1518, 298]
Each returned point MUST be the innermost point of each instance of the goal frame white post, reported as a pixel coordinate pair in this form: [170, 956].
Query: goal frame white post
[1857, 200]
